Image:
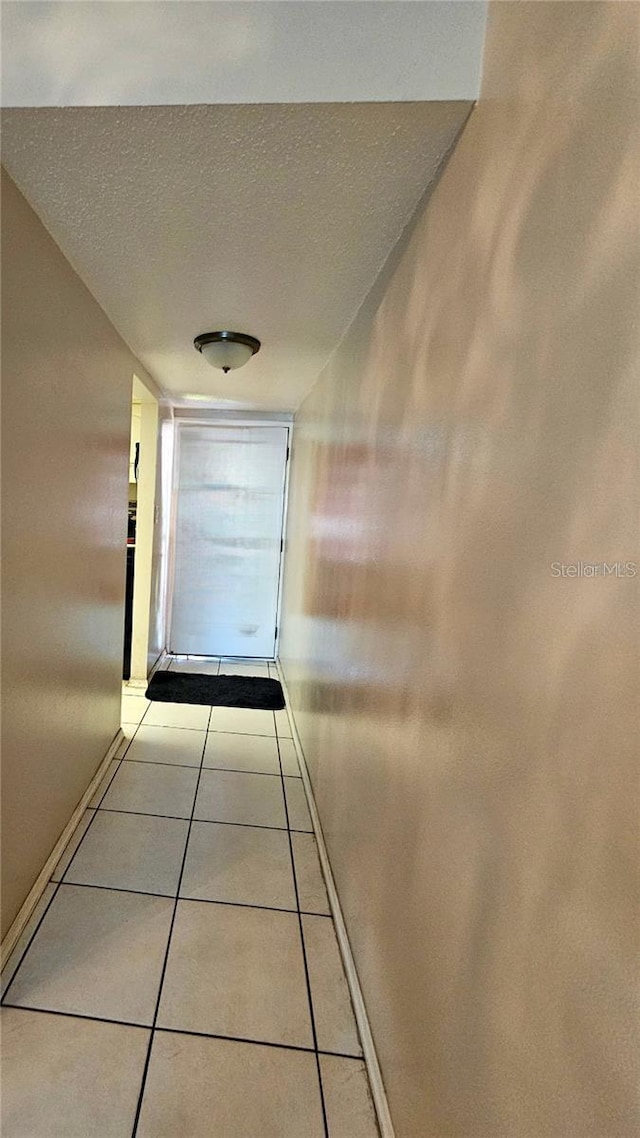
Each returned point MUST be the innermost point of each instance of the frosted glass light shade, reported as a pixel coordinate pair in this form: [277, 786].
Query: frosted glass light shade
[226, 354]
[226, 350]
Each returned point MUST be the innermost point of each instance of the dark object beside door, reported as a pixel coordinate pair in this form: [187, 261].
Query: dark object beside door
[128, 613]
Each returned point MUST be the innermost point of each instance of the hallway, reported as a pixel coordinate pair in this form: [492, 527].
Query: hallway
[377, 266]
[181, 974]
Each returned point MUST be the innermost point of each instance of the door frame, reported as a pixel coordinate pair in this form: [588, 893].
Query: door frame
[145, 522]
[269, 419]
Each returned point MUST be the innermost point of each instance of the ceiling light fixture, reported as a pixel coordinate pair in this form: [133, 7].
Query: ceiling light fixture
[226, 350]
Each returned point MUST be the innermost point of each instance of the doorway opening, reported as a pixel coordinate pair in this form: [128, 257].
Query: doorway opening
[140, 531]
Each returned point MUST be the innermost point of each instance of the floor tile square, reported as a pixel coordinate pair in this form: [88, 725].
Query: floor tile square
[347, 1098]
[175, 745]
[9, 970]
[124, 744]
[189, 715]
[97, 953]
[69, 851]
[335, 1022]
[198, 667]
[104, 784]
[257, 753]
[257, 669]
[204, 1087]
[283, 726]
[299, 816]
[289, 758]
[311, 888]
[233, 796]
[131, 851]
[148, 788]
[236, 971]
[133, 708]
[69, 1078]
[245, 720]
[239, 864]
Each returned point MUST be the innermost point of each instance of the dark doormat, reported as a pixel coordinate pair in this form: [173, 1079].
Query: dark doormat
[221, 691]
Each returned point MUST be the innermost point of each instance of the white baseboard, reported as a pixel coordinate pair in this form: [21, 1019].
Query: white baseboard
[15, 932]
[378, 1092]
[136, 684]
[164, 655]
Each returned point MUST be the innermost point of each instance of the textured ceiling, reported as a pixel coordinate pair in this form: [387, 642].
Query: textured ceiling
[268, 219]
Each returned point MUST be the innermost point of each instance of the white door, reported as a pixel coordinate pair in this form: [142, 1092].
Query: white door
[228, 535]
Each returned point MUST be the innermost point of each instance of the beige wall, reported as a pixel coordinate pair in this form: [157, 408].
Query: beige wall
[66, 406]
[469, 718]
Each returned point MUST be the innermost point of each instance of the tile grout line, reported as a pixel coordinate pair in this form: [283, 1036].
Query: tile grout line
[168, 948]
[194, 766]
[184, 1031]
[184, 818]
[184, 897]
[206, 730]
[302, 942]
[169, 726]
[77, 1015]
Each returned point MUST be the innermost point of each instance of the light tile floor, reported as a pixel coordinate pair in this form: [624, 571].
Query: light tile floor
[181, 977]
